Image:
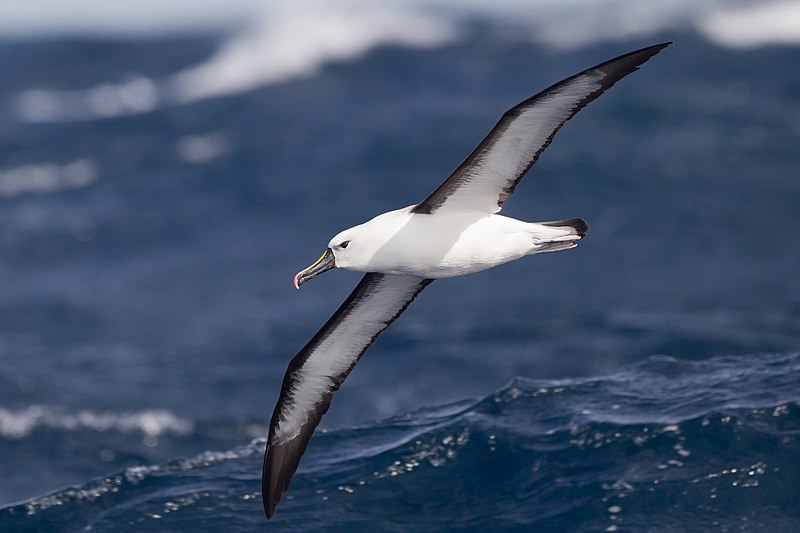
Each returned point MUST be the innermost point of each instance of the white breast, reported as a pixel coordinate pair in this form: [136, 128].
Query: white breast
[447, 245]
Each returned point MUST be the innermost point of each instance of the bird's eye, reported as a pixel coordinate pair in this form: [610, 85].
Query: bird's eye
[345, 244]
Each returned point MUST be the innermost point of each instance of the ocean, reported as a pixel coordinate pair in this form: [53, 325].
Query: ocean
[164, 176]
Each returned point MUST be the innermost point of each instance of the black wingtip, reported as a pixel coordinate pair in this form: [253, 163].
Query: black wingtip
[276, 476]
[654, 49]
[663, 45]
[280, 464]
[651, 50]
[578, 224]
[630, 62]
[269, 494]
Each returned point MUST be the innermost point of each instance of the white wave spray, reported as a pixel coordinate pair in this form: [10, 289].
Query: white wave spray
[276, 42]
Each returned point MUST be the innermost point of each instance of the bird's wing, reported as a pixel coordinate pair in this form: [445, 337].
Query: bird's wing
[492, 171]
[320, 368]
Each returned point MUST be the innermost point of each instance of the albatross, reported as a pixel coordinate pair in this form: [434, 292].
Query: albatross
[455, 231]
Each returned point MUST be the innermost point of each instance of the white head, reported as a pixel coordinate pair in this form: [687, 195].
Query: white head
[356, 247]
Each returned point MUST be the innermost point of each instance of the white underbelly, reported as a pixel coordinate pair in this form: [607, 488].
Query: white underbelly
[456, 246]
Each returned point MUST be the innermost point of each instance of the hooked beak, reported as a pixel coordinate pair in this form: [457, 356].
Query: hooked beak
[326, 262]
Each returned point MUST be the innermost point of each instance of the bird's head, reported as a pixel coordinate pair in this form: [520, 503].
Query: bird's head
[345, 250]
[361, 248]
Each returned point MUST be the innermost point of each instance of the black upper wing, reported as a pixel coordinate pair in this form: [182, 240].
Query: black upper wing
[492, 171]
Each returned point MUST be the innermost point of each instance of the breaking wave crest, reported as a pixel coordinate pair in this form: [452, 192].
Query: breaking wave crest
[272, 43]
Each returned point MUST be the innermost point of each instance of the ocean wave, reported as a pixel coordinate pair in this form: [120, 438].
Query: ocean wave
[296, 41]
[278, 42]
[653, 447]
[557, 22]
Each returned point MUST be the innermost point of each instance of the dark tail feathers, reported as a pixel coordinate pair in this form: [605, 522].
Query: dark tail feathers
[578, 224]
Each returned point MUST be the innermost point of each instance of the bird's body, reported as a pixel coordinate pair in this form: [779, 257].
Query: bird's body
[455, 231]
[449, 244]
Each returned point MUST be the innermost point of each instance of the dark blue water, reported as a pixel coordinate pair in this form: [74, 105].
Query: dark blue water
[147, 313]
[664, 445]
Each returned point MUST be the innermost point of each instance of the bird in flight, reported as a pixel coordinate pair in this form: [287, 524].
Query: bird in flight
[455, 231]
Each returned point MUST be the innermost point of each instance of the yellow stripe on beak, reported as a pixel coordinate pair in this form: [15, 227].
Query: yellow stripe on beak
[326, 262]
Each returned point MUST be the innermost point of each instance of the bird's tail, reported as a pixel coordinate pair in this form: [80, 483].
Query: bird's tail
[557, 235]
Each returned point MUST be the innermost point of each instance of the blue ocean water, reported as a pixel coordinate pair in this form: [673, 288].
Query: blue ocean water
[663, 445]
[645, 381]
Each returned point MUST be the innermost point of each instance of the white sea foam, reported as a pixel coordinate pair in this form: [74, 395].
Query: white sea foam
[766, 23]
[33, 18]
[575, 23]
[557, 21]
[112, 99]
[112, 485]
[151, 422]
[293, 42]
[44, 178]
[200, 149]
[275, 42]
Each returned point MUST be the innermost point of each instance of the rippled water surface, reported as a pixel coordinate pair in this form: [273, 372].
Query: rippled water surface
[659, 446]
